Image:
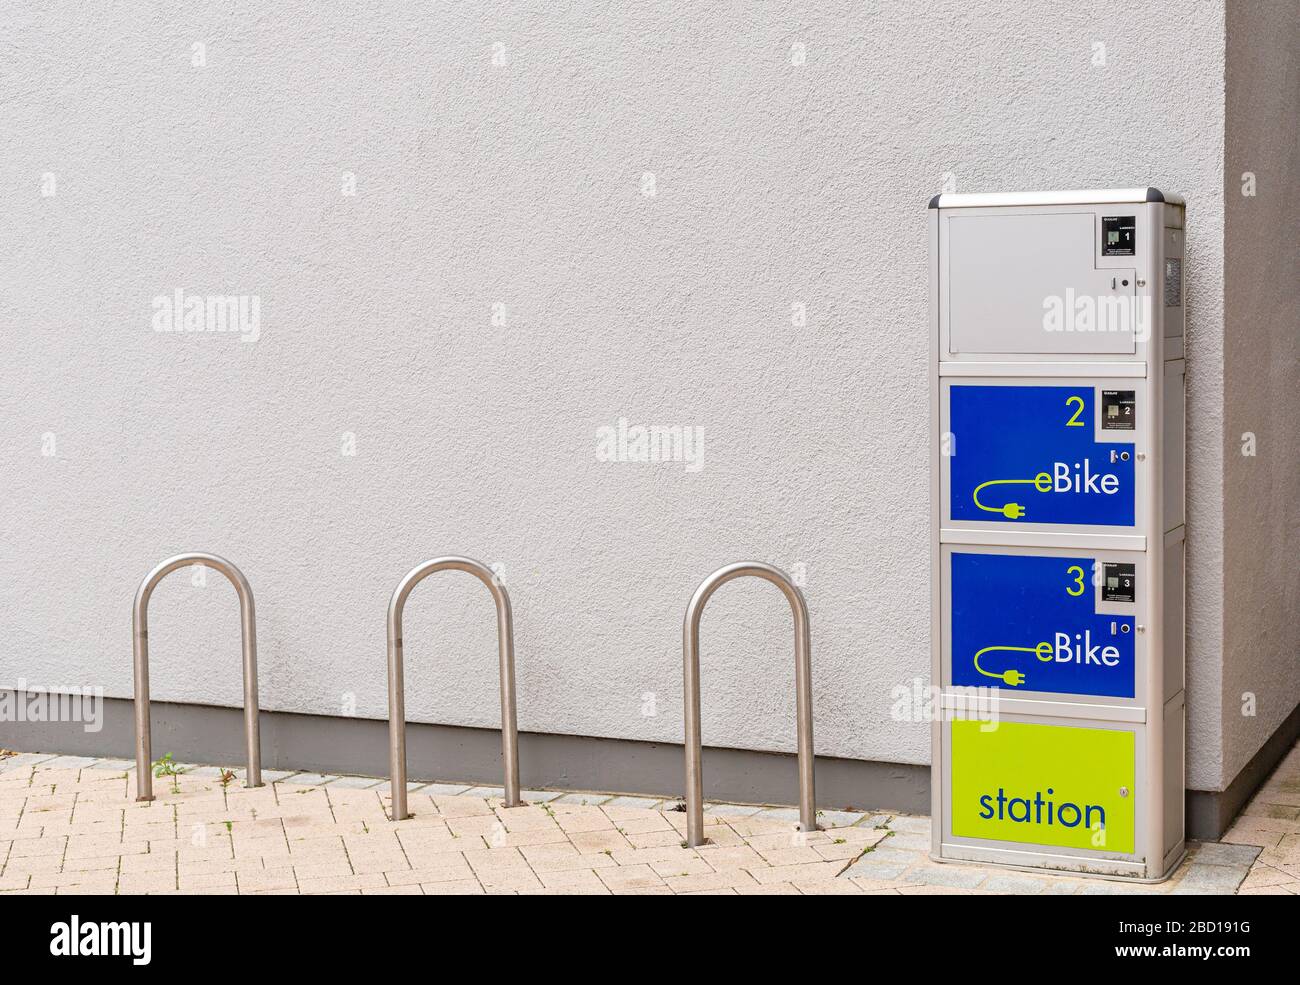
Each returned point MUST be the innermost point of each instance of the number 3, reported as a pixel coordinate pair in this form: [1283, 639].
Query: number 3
[1077, 571]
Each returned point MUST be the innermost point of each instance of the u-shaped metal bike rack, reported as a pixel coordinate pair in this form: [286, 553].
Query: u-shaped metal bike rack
[396, 687]
[691, 692]
[140, 627]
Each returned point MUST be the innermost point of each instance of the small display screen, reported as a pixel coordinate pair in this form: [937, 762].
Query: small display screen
[1118, 235]
[1119, 410]
[1119, 582]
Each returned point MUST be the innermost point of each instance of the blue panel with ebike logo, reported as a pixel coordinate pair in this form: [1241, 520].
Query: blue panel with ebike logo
[1027, 454]
[1029, 623]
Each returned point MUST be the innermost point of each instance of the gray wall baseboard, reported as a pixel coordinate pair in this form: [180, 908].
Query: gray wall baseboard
[1209, 815]
[327, 744]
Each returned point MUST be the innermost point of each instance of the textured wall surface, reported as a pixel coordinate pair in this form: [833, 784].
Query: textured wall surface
[502, 161]
[1261, 480]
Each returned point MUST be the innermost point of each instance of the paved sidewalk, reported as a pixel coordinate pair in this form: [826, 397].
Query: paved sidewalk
[71, 825]
[1272, 821]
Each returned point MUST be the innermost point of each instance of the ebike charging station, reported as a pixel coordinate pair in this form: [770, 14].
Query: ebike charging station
[1057, 410]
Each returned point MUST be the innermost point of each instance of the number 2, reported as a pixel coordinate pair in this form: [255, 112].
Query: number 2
[1074, 421]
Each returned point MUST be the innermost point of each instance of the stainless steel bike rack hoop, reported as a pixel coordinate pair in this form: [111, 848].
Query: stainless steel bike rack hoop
[691, 692]
[140, 635]
[396, 687]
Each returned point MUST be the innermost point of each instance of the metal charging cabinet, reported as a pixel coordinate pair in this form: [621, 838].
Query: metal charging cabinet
[1056, 405]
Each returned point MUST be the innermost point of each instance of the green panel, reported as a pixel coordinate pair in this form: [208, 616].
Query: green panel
[1043, 784]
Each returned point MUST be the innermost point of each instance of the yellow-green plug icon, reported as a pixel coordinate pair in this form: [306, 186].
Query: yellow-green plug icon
[1012, 511]
[1012, 678]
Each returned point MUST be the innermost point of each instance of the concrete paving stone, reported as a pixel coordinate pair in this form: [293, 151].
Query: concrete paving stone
[486, 793]
[437, 789]
[357, 783]
[1109, 887]
[626, 877]
[529, 836]
[68, 763]
[874, 821]
[717, 835]
[603, 841]
[23, 848]
[869, 867]
[564, 858]
[539, 796]
[333, 884]
[115, 765]
[209, 881]
[266, 879]
[525, 817]
[466, 887]
[72, 827]
[733, 810]
[783, 814]
[928, 874]
[583, 799]
[710, 881]
[883, 853]
[904, 822]
[476, 824]
[769, 889]
[797, 873]
[87, 889]
[1262, 877]
[748, 827]
[454, 869]
[25, 760]
[309, 779]
[684, 863]
[268, 777]
[839, 819]
[862, 838]
[1249, 834]
[843, 852]
[827, 887]
[509, 880]
[909, 842]
[1020, 885]
[789, 856]
[582, 881]
[642, 822]
[1218, 853]
[1212, 878]
[575, 823]
[632, 803]
[449, 807]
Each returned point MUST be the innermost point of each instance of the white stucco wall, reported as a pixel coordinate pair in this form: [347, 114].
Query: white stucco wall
[1261, 672]
[522, 185]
